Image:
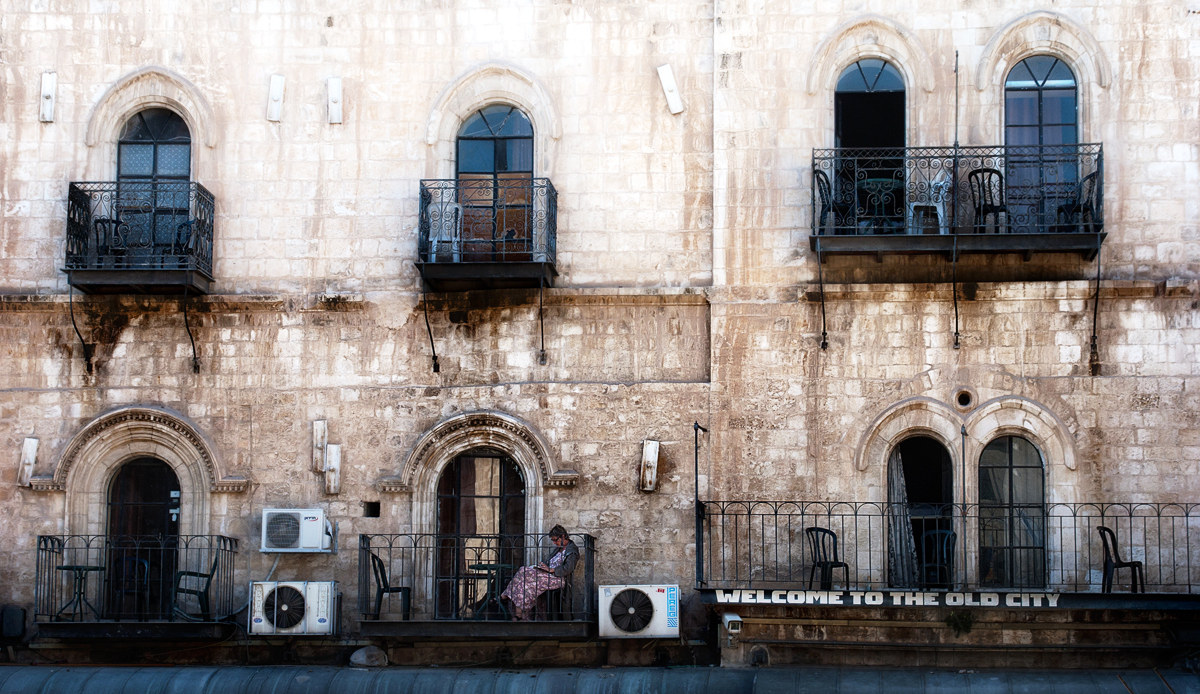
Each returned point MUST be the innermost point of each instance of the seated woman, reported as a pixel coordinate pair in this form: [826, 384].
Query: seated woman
[531, 581]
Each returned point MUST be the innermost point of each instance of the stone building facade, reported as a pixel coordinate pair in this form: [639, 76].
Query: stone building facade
[692, 281]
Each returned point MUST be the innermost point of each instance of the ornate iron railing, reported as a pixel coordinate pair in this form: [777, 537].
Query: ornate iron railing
[101, 578]
[1053, 546]
[139, 225]
[460, 577]
[487, 220]
[958, 190]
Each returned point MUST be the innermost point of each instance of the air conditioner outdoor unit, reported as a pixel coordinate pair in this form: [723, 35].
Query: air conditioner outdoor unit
[637, 612]
[296, 530]
[293, 607]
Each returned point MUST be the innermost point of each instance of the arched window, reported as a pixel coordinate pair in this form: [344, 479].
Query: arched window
[494, 167]
[153, 196]
[155, 145]
[1011, 515]
[480, 530]
[1040, 130]
[921, 537]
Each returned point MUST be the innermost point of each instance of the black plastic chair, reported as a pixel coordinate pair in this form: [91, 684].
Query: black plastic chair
[987, 199]
[1080, 214]
[1113, 562]
[384, 587]
[197, 584]
[824, 545]
[937, 557]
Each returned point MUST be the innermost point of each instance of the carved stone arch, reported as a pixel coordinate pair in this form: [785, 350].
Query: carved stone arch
[147, 87]
[917, 416]
[92, 457]
[488, 84]
[1018, 416]
[1047, 33]
[436, 448]
[870, 36]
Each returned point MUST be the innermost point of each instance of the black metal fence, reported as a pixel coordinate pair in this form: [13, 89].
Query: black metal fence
[139, 225]
[96, 578]
[488, 220]
[461, 577]
[958, 190]
[955, 546]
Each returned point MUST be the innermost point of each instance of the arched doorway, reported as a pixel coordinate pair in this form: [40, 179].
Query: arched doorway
[1012, 516]
[869, 130]
[154, 166]
[143, 536]
[494, 168]
[480, 532]
[921, 535]
[1041, 133]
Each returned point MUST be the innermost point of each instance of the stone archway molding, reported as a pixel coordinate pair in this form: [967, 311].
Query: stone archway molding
[140, 431]
[479, 429]
[1046, 32]
[146, 87]
[485, 84]
[1018, 416]
[911, 416]
[870, 36]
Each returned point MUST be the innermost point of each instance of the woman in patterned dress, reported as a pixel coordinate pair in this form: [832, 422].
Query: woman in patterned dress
[531, 581]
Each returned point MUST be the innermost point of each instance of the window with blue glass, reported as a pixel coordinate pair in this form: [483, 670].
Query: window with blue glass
[494, 169]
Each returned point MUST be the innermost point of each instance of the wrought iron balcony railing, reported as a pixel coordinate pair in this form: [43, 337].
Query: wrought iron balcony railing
[139, 232]
[460, 577]
[110, 578]
[500, 232]
[955, 546]
[917, 199]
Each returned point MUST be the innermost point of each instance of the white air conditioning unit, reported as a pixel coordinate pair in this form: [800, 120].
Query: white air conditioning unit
[296, 530]
[293, 607]
[639, 612]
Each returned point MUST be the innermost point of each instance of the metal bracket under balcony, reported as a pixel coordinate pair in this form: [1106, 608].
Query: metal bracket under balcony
[148, 237]
[487, 233]
[954, 200]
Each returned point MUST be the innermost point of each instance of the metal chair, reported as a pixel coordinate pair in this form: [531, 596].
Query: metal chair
[198, 588]
[1113, 562]
[383, 587]
[987, 199]
[824, 545]
[838, 215]
[445, 220]
[937, 557]
[1080, 214]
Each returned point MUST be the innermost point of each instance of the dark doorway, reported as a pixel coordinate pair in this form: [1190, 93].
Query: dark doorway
[143, 536]
[922, 497]
[480, 528]
[154, 164]
[869, 128]
[495, 179]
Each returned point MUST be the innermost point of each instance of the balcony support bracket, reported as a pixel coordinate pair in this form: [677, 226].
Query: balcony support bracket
[188, 326]
[1094, 351]
[541, 322]
[429, 331]
[821, 288]
[87, 349]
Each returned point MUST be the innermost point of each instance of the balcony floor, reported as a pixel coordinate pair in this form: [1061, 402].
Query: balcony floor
[133, 281]
[1083, 243]
[481, 629]
[169, 631]
[464, 276]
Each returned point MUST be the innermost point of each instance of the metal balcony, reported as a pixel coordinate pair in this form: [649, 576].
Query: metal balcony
[428, 585]
[949, 200]
[487, 233]
[103, 586]
[152, 237]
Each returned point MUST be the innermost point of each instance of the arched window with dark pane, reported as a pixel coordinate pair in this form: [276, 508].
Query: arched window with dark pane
[154, 164]
[1012, 516]
[480, 531]
[1041, 134]
[495, 177]
[869, 127]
